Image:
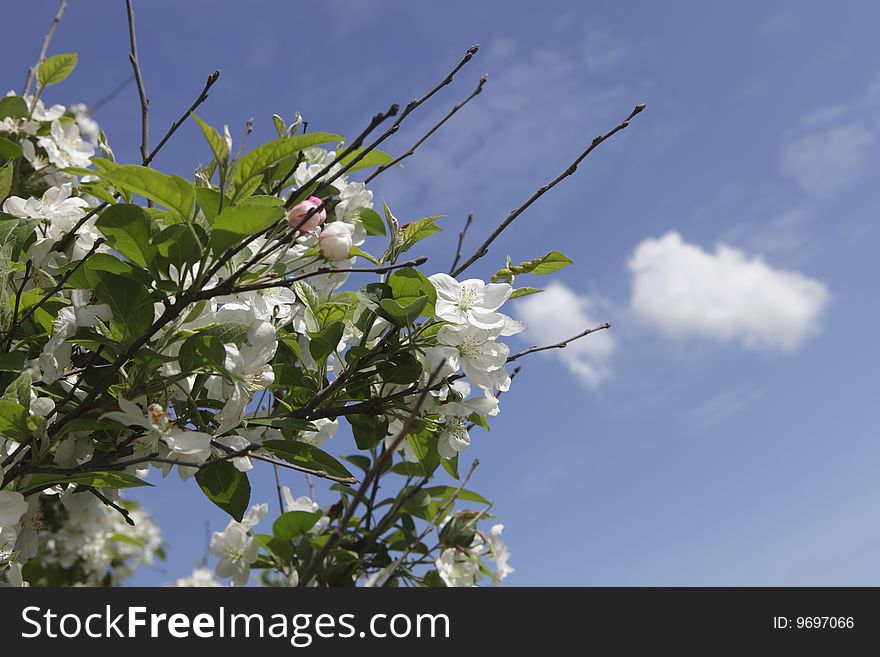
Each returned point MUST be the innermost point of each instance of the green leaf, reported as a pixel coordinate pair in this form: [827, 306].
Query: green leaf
[266, 155]
[283, 550]
[218, 144]
[12, 418]
[209, 202]
[409, 284]
[13, 107]
[402, 315]
[400, 368]
[226, 487]
[371, 295]
[309, 457]
[357, 251]
[56, 69]
[416, 231]
[12, 361]
[445, 492]
[9, 150]
[372, 222]
[19, 390]
[129, 302]
[424, 444]
[294, 524]
[368, 430]
[241, 221]
[525, 291]
[459, 531]
[324, 342]
[129, 230]
[180, 244]
[553, 261]
[374, 158]
[202, 352]
[6, 172]
[94, 479]
[172, 192]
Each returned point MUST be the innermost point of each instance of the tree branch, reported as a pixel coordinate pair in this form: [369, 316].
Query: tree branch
[559, 345]
[139, 78]
[174, 126]
[461, 235]
[412, 149]
[483, 249]
[32, 71]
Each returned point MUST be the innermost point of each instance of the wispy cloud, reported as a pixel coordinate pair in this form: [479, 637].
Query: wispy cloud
[828, 160]
[684, 291]
[559, 313]
[721, 407]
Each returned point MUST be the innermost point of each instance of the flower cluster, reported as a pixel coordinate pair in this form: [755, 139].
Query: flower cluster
[242, 318]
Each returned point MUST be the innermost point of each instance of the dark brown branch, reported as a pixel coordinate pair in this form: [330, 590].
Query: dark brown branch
[483, 249]
[65, 241]
[558, 345]
[32, 71]
[139, 78]
[174, 126]
[374, 471]
[248, 452]
[424, 138]
[461, 235]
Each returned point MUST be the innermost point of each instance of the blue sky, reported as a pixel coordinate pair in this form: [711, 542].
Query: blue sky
[725, 431]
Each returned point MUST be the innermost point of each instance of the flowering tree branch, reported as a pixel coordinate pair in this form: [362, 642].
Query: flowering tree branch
[461, 236]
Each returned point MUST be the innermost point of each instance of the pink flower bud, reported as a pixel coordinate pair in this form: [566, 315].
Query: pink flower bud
[299, 212]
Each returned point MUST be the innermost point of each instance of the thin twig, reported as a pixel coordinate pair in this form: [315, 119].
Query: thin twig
[98, 105]
[113, 505]
[174, 126]
[483, 249]
[424, 138]
[389, 571]
[461, 235]
[32, 71]
[558, 345]
[139, 78]
[278, 487]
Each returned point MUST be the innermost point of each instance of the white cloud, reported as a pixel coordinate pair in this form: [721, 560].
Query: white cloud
[559, 313]
[828, 160]
[684, 291]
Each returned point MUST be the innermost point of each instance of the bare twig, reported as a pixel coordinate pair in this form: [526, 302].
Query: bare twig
[278, 487]
[559, 345]
[424, 138]
[461, 235]
[113, 505]
[99, 104]
[32, 71]
[483, 249]
[389, 571]
[139, 78]
[374, 471]
[174, 126]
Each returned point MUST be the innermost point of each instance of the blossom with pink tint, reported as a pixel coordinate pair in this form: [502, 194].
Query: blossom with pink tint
[299, 212]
